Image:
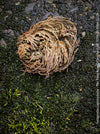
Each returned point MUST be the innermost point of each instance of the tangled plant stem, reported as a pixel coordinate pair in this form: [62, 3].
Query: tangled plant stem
[49, 46]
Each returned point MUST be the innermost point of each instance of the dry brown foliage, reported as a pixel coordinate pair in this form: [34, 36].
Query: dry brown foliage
[49, 46]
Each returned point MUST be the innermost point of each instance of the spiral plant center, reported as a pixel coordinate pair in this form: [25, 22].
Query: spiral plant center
[49, 46]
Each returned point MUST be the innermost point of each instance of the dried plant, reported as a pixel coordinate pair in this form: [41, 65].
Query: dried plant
[49, 46]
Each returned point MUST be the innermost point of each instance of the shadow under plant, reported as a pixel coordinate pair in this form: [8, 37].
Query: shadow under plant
[65, 103]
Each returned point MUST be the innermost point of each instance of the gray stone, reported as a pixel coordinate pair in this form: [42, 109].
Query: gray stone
[29, 7]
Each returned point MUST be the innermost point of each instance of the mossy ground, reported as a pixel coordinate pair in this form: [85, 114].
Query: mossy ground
[65, 103]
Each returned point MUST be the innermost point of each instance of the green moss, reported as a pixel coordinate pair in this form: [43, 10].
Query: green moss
[32, 104]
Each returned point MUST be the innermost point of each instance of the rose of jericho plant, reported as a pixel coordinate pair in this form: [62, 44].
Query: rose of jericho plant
[49, 46]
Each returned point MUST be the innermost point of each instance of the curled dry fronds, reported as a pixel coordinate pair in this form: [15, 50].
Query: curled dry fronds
[49, 46]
